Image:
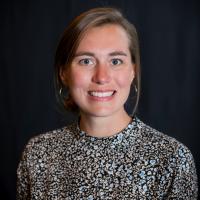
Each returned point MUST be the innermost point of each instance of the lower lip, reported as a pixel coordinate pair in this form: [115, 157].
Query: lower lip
[95, 98]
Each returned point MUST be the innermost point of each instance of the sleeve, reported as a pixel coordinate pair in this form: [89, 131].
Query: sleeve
[23, 183]
[184, 184]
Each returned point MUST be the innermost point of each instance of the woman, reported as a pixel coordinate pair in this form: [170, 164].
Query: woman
[107, 154]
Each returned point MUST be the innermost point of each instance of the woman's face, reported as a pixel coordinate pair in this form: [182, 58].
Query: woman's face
[101, 72]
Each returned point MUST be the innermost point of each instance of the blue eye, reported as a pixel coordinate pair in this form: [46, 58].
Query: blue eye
[86, 61]
[116, 61]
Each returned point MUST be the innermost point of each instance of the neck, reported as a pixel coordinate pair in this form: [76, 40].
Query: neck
[104, 126]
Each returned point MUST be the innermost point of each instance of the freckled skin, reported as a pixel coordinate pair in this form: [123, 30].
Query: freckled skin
[99, 72]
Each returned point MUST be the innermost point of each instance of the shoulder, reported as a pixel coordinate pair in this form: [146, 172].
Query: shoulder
[163, 145]
[172, 160]
[172, 155]
[154, 137]
[52, 141]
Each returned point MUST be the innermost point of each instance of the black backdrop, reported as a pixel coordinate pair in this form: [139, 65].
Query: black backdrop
[169, 33]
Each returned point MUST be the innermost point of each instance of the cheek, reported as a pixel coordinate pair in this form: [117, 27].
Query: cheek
[125, 79]
[78, 79]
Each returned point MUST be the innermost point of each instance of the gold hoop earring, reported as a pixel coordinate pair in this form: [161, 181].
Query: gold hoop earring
[135, 87]
[60, 91]
[63, 93]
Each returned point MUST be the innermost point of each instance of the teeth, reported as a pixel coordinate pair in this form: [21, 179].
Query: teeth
[102, 94]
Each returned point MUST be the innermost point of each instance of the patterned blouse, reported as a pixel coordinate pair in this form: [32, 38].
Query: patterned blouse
[136, 163]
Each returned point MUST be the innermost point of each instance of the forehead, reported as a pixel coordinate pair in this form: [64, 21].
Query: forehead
[109, 35]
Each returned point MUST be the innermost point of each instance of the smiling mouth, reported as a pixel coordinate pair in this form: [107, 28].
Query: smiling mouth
[101, 94]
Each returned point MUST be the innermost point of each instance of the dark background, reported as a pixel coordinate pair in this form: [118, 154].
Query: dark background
[169, 33]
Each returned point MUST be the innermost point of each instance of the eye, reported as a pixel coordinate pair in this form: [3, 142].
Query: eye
[86, 61]
[116, 61]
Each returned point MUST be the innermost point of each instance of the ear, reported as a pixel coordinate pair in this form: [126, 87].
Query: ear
[63, 73]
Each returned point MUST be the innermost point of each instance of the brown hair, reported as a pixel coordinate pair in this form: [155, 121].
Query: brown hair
[74, 33]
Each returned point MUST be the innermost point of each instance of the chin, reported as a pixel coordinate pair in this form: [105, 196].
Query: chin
[102, 112]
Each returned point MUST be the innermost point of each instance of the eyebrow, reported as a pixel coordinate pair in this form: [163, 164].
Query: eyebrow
[118, 53]
[84, 53]
[87, 53]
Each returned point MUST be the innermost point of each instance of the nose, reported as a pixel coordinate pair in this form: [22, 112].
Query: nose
[102, 74]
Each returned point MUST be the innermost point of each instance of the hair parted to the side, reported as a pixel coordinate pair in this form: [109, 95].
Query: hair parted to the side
[72, 36]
